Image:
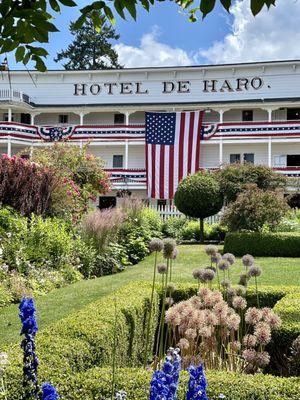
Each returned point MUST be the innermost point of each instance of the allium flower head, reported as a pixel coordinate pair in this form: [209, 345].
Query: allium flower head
[231, 292]
[239, 303]
[235, 346]
[229, 257]
[156, 245]
[249, 341]
[208, 275]
[216, 258]
[211, 250]
[190, 334]
[240, 290]
[225, 283]
[255, 270]
[49, 392]
[170, 287]
[183, 344]
[233, 322]
[204, 292]
[273, 320]
[169, 246]
[253, 316]
[247, 260]
[262, 333]
[249, 355]
[174, 254]
[223, 265]
[262, 359]
[197, 273]
[162, 268]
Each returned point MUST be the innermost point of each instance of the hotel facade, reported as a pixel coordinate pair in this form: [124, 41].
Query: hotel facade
[251, 114]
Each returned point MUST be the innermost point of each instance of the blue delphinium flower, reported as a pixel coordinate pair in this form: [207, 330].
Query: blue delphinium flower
[197, 384]
[49, 392]
[30, 360]
[164, 383]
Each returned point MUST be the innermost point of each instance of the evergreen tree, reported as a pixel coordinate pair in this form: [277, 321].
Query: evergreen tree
[90, 49]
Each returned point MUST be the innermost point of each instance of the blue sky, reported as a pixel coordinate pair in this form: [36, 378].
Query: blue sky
[166, 37]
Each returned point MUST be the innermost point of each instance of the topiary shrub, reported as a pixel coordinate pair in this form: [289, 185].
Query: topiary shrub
[199, 196]
[263, 244]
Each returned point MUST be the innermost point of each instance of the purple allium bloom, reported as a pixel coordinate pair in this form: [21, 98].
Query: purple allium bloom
[197, 384]
[49, 392]
[164, 383]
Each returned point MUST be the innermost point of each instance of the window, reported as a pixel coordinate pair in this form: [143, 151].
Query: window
[25, 119]
[5, 117]
[118, 161]
[63, 118]
[235, 158]
[249, 158]
[247, 115]
[280, 161]
[293, 160]
[292, 114]
[119, 119]
[107, 202]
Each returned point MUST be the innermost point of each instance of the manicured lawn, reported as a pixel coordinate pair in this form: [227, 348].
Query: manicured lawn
[61, 302]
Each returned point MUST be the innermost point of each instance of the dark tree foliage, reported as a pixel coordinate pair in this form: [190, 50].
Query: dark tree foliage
[199, 196]
[23, 23]
[235, 178]
[90, 49]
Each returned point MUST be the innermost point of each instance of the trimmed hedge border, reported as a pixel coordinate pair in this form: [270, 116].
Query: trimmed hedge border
[263, 244]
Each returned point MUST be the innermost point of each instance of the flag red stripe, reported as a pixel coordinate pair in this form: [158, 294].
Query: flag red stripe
[197, 160]
[190, 141]
[171, 172]
[162, 172]
[153, 146]
[147, 166]
[181, 146]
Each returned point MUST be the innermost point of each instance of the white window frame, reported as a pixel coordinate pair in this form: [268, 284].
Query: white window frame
[279, 160]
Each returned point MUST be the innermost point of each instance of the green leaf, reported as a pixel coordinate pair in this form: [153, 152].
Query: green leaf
[146, 5]
[8, 46]
[26, 58]
[226, 4]
[68, 3]
[40, 65]
[131, 7]
[54, 5]
[39, 51]
[80, 21]
[20, 52]
[119, 6]
[256, 6]
[206, 6]
[109, 15]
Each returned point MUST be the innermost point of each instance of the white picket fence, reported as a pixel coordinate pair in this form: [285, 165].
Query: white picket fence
[169, 211]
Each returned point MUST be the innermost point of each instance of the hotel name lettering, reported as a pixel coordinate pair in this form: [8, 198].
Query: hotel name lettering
[173, 86]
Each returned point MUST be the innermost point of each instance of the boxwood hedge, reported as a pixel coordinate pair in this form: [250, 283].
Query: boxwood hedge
[263, 244]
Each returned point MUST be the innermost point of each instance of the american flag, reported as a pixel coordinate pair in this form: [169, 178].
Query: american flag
[172, 150]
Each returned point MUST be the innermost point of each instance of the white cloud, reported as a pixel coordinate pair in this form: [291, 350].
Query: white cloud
[271, 35]
[151, 53]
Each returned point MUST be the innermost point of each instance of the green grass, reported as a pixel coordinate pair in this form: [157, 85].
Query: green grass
[61, 302]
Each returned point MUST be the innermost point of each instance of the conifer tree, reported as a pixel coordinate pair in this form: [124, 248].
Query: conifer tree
[90, 49]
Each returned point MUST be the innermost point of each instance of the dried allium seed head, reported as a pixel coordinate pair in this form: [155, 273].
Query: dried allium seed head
[253, 316]
[169, 301]
[169, 246]
[205, 331]
[249, 355]
[229, 257]
[156, 245]
[183, 344]
[255, 270]
[273, 320]
[235, 346]
[231, 292]
[239, 303]
[162, 268]
[243, 280]
[262, 359]
[190, 334]
[247, 260]
[174, 254]
[233, 322]
[240, 290]
[208, 275]
[262, 332]
[211, 250]
[197, 273]
[223, 265]
[216, 258]
[225, 283]
[249, 341]
[170, 287]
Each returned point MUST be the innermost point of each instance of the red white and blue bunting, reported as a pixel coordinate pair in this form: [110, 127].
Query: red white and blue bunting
[127, 175]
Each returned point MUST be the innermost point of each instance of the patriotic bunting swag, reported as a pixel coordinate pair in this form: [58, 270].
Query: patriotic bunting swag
[172, 150]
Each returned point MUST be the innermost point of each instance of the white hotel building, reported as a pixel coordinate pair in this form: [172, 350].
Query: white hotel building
[251, 113]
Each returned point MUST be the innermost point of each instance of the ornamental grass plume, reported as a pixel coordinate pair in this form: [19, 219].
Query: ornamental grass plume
[164, 383]
[30, 361]
[197, 383]
[49, 392]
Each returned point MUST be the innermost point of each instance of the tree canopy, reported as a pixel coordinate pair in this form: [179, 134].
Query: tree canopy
[90, 49]
[23, 23]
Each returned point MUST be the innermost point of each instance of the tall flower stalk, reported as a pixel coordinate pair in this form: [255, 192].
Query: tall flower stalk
[156, 245]
[30, 361]
[197, 383]
[164, 383]
[113, 380]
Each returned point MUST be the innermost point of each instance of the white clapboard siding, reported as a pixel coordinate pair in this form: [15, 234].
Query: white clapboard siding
[170, 211]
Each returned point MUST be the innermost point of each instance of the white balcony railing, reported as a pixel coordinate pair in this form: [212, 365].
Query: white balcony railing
[14, 95]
